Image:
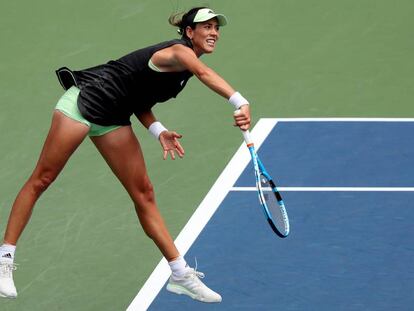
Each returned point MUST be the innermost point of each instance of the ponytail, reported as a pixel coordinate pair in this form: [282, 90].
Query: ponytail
[182, 20]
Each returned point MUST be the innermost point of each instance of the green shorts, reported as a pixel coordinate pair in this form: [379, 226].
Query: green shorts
[68, 104]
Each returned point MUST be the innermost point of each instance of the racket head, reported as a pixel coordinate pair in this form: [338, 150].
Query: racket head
[269, 197]
[274, 206]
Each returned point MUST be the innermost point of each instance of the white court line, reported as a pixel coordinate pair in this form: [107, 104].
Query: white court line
[202, 215]
[342, 119]
[327, 189]
[216, 195]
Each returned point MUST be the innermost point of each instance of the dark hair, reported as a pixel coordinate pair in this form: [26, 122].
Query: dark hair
[184, 19]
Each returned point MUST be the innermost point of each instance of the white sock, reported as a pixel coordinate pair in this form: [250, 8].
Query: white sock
[178, 266]
[7, 251]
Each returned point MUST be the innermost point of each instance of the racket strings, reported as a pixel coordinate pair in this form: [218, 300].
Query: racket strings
[274, 205]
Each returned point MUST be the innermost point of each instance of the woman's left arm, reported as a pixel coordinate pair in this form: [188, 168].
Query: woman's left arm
[168, 139]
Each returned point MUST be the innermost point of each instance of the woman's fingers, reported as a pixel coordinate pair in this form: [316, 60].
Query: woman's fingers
[242, 122]
[171, 145]
[172, 154]
[242, 117]
[180, 149]
[176, 135]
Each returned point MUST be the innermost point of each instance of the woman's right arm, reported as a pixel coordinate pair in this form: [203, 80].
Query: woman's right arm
[187, 58]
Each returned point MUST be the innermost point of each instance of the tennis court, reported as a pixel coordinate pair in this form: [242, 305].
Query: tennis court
[351, 225]
[84, 248]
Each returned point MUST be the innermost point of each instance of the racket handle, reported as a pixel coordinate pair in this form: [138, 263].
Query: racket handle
[247, 137]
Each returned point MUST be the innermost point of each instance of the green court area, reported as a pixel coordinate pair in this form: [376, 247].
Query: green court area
[84, 248]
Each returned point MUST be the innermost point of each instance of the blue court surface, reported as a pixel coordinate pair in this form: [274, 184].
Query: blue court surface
[349, 189]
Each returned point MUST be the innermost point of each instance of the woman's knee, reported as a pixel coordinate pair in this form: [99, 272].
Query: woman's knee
[40, 182]
[143, 192]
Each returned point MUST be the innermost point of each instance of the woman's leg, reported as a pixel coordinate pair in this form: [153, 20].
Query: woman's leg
[64, 136]
[122, 151]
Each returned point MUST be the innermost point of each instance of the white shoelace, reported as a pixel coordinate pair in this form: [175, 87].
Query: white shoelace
[195, 272]
[199, 274]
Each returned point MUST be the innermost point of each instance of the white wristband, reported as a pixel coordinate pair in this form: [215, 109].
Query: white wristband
[237, 100]
[156, 128]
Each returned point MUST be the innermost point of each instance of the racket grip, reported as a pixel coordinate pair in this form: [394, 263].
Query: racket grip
[247, 137]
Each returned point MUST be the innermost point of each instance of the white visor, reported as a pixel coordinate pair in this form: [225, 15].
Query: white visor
[207, 14]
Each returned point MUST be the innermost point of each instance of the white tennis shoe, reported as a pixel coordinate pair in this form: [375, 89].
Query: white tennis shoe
[7, 288]
[190, 284]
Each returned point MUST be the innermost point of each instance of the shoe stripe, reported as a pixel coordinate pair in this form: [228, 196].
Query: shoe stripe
[178, 289]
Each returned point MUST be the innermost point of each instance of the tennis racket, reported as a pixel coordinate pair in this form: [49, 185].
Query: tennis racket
[269, 197]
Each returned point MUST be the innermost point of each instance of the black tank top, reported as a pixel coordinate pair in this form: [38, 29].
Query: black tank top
[112, 92]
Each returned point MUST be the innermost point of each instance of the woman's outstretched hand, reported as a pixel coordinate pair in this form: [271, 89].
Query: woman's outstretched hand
[171, 145]
[242, 117]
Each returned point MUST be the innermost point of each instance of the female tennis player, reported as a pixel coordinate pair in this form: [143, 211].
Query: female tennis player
[98, 103]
